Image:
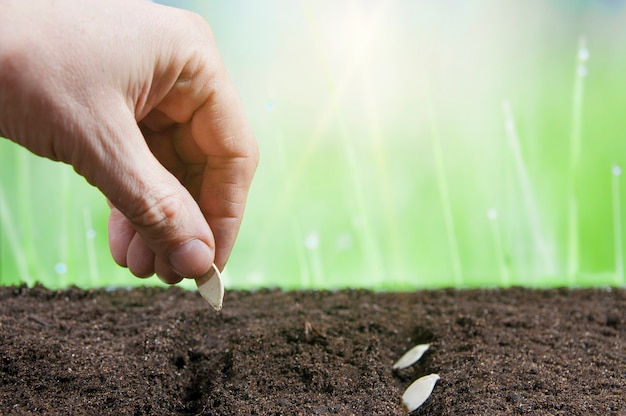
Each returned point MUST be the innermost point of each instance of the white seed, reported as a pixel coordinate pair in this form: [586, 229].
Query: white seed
[419, 391]
[211, 288]
[411, 356]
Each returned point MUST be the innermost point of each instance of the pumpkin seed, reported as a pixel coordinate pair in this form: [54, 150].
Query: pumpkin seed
[211, 287]
[417, 393]
[411, 356]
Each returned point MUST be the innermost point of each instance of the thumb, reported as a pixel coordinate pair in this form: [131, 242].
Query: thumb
[169, 227]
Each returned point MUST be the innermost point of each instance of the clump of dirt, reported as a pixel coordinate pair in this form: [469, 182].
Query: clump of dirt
[165, 351]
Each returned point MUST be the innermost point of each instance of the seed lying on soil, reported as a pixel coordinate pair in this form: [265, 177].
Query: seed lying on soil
[211, 288]
[419, 391]
[411, 356]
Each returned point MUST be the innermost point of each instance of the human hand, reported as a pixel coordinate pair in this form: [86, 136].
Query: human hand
[135, 97]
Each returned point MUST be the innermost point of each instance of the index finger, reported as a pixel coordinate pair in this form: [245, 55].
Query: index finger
[221, 131]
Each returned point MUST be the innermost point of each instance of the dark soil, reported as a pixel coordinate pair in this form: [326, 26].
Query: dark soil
[165, 351]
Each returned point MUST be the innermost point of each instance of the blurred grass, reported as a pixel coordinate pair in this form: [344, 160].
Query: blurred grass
[404, 145]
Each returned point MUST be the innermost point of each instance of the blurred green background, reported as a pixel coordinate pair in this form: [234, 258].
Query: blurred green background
[405, 144]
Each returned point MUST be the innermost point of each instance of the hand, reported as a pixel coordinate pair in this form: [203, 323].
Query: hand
[135, 97]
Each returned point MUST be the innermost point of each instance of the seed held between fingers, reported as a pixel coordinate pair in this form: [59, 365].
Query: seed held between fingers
[211, 287]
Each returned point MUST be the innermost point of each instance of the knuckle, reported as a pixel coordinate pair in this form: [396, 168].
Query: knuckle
[200, 28]
[155, 215]
[255, 154]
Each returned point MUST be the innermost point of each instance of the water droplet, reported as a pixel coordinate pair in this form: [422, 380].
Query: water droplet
[583, 54]
[312, 241]
[582, 71]
[91, 234]
[492, 214]
[60, 268]
[344, 241]
[616, 170]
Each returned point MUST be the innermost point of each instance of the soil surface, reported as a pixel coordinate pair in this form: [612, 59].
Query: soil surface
[166, 352]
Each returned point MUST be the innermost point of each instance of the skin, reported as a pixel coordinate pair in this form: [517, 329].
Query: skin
[136, 98]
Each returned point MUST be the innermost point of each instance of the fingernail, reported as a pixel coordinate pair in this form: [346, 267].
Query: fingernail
[192, 259]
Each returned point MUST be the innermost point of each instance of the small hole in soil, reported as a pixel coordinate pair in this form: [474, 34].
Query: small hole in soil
[612, 320]
[179, 362]
[422, 335]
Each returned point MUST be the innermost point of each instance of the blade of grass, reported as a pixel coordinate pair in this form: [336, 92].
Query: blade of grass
[444, 195]
[505, 275]
[547, 265]
[92, 258]
[616, 172]
[24, 215]
[372, 251]
[573, 244]
[10, 233]
[63, 267]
